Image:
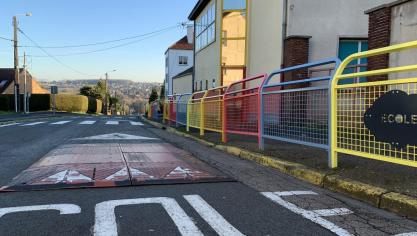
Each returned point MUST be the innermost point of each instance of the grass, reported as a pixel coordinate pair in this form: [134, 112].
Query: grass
[6, 112]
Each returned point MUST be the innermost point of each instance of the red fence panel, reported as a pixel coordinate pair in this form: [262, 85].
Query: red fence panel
[172, 106]
[242, 107]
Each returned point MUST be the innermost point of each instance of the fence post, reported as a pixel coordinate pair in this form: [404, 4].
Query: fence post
[188, 114]
[224, 117]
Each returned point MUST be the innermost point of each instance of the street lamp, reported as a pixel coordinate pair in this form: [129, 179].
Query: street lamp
[16, 61]
[105, 94]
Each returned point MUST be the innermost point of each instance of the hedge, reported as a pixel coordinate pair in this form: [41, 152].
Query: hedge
[6, 102]
[71, 103]
[99, 107]
[39, 102]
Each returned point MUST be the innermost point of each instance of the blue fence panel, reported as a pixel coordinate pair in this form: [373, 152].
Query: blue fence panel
[182, 108]
[298, 111]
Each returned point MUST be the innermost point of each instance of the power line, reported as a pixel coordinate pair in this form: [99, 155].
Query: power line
[110, 41]
[6, 39]
[51, 56]
[112, 47]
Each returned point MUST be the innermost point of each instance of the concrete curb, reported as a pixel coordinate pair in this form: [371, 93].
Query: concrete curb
[395, 202]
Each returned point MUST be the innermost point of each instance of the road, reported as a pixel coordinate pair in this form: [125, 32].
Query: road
[117, 176]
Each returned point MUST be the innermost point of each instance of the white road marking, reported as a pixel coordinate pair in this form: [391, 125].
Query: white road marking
[117, 136]
[64, 209]
[112, 122]
[34, 123]
[69, 176]
[212, 217]
[87, 122]
[11, 124]
[61, 122]
[334, 212]
[105, 221]
[310, 215]
[136, 123]
[407, 234]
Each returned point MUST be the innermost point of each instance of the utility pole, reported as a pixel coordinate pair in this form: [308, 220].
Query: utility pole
[105, 95]
[25, 98]
[16, 67]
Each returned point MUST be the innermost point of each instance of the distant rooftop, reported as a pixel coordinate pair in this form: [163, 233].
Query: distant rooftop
[182, 44]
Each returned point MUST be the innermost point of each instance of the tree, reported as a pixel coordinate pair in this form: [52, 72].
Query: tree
[87, 91]
[154, 96]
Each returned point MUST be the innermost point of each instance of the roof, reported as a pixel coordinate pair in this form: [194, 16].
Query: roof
[6, 78]
[392, 4]
[182, 44]
[198, 8]
[188, 71]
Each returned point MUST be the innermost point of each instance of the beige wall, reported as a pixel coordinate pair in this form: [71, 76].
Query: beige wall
[404, 29]
[207, 60]
[264, 36]
[183, 84]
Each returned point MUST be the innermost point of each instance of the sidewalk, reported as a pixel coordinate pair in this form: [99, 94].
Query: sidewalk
[4, 118]
[384, 185]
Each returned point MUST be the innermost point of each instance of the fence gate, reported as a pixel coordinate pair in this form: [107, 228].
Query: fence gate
[242, 107]
[376, 118]
[298, 111]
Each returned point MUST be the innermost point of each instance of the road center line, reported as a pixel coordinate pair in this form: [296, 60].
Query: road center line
[6, 125]
[211, 216]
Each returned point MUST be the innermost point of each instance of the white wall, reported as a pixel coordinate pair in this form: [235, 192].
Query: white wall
[264, 36]
[173, 65]
[328, 20]
[183, 84]
[404, 29]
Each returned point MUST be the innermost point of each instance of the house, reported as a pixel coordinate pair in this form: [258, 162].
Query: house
[242, 38]
[178, 58]
[390, 24]
[183, 82]
[7, 76]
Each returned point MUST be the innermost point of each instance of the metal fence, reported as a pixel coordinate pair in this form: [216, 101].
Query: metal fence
[181, 105]
[172, 106]
[166, 109]
[242, 107]
[194, 111]
[155, 110]
[297, 111]
[375, 119]
[213, 110]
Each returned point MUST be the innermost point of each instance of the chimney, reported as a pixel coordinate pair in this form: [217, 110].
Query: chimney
[190, 34]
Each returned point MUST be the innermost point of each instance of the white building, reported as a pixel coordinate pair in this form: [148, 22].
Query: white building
[178, 58]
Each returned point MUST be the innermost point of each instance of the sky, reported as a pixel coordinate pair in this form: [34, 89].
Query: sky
[79, 22]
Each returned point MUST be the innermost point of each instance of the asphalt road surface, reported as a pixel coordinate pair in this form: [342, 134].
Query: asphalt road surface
[118, 176]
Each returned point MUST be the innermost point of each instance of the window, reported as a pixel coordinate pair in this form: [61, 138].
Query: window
[183, 60]
[348, 47]
[234, 4]
[213, 84]
[205, 27]
[195, 86]
[201, 85]
[206, 84]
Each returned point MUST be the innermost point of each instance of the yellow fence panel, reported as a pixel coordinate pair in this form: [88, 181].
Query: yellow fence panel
[376, 119]
[213, 110]
[194, 111]
[166, 110]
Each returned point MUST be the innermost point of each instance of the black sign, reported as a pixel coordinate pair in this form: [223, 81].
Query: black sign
[54, 89]
[392, 118]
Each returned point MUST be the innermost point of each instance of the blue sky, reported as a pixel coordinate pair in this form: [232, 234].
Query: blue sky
[75, 22]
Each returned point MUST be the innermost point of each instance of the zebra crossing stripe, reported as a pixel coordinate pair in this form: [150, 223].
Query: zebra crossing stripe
[34, 123]
[87, 122]
[61, 122]
[112, 122]
[136, 123]
[11, 124]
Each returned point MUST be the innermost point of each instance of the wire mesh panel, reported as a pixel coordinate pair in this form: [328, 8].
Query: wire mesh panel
[166, 110]
[155, 109]
[213, 110]
[148, 111]
[182, 102]
[173, 109]
[298, 111]
[194, 109]
[242, 107]
[376, 119]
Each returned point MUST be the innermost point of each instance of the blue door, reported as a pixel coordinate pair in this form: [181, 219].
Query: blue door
[348, 47]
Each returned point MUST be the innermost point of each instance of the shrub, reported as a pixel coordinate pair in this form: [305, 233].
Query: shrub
[71, 103]
[99, 106]
[94, 105]
[6, 102]
[39, 102]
